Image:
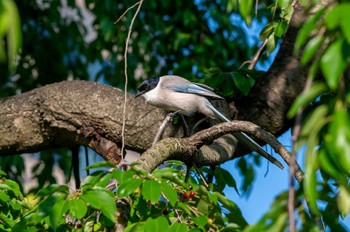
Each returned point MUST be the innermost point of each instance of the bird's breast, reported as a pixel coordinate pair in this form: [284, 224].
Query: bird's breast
[173, 101]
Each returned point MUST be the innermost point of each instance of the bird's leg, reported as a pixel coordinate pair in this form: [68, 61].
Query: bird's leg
[184, 123]
[162, 126]
[197, 125]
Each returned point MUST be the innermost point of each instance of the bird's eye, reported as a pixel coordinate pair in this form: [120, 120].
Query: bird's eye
[143, 87]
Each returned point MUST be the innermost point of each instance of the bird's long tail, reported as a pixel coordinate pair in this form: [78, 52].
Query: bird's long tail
[245, 139]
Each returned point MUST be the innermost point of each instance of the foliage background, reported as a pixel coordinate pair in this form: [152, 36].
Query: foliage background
[205, 41]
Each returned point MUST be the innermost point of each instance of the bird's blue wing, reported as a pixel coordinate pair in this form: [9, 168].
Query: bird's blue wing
[201, 90]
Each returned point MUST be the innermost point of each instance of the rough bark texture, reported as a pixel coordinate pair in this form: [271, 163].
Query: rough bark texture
[54, 116]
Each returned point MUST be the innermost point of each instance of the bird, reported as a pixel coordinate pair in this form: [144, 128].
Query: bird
[177, 94]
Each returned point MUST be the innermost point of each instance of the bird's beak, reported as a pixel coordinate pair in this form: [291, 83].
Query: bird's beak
[139, 94]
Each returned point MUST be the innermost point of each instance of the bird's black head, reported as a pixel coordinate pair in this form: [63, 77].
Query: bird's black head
[147, 85]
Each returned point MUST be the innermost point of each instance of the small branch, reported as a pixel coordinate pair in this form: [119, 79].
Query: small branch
[252, 63]
[127, 10]
[126, 70]
[184, 148]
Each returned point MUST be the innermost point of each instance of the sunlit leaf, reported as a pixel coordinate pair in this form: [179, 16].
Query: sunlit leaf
[311, 48]
[343, 200]
[304, 99]
[307, 28]
[77, 208]
[151, 190]
[317, 117]
[338, 140]
[178, 227]
[158, 224]
[169, 192]
[271, 44]
[52, 189]
[101, 199]
[334, 61]
[281, 28]
[10, 23]
[128, 187]
[135, 227]
[102, 164]
[267, 31]
[245, 7]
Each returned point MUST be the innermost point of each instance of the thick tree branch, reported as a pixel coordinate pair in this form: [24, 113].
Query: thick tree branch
[185, 149]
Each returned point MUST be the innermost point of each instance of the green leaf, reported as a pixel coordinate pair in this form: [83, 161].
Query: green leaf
[52, 189]
[266, 32]
[309, 183]
[122, 176]
[102, 164]
[338, 140]
[151, 190]
[232, 5]
[305, 98]
[316, 120]
[4, 198]
[235, 213]
[182, 206]
[174, 179]
[51, 206]
[128, 187]
[245, 7]
[336, 15]
[77, 208]
[103, 200]
[223, 175]
[271, 44]
[343, 200]
[13, 186]
[92, 179]
[345, 26]
[280, 223]
[178, 227]
[158, 224]
[242, 82]
[307, 28]
[169, 192]
[135, 227]
[339, 16]
[281, 28]
[334, 62]
[13, 29]
[105, 180]
[311, 48]
[201, 220]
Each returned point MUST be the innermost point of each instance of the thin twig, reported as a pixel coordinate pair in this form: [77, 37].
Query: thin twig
[252, 63]
[201, 176]
[256, 57]
[126, 72]
[127, 10]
